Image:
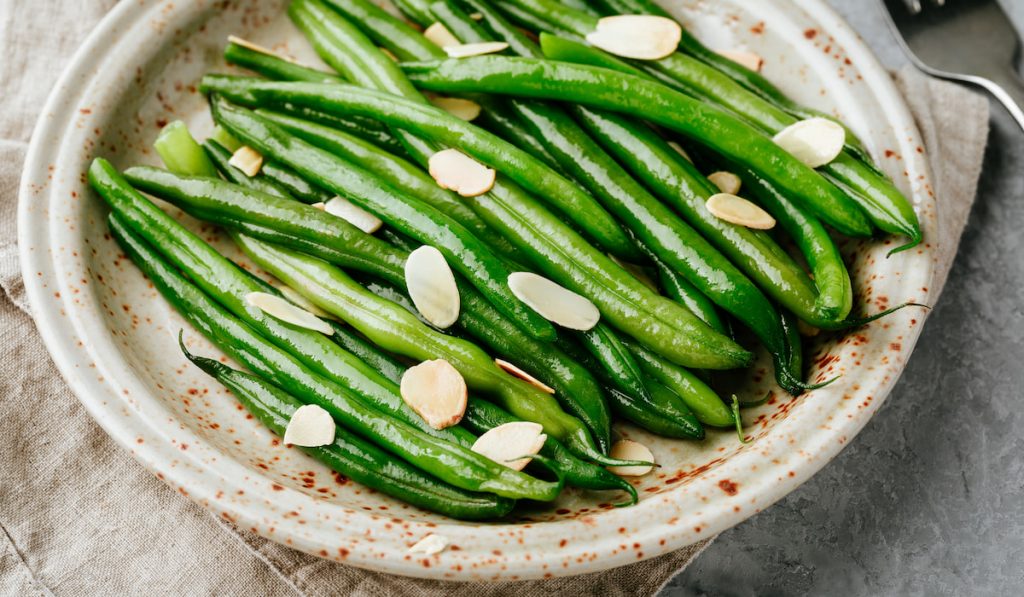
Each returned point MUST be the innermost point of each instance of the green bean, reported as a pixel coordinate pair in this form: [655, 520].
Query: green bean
[702, 400]
[180, 152]
[275, 67]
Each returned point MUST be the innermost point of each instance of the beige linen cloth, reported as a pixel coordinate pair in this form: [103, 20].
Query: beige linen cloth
[79, 516]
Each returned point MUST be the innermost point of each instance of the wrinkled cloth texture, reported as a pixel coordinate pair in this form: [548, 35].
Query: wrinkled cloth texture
[79, 516]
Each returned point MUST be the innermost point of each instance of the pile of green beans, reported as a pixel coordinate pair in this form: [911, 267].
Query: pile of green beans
[590, 192]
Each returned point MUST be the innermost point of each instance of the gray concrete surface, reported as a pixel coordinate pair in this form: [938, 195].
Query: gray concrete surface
[929, 498]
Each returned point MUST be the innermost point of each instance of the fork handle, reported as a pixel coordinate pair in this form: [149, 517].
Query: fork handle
[1007, 87]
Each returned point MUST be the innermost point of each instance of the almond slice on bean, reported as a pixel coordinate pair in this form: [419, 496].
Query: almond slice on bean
[553, 302]
[280, 308]
[679, 149]
[738, 210]
[303, 303]
[523, 375]
[440, 35]
[626, 449]
[511, 444]
[353, 214]
[815, 141]
[727, 182]
[643, 37]
[744, 58]
[247, 160]
[310, 426]
[458, 172]
[430, 545]
[456, 106]
[238, 41]
[477, 49]
[436, 391]
[432, 287]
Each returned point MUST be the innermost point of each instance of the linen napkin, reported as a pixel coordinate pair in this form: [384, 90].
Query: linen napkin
[79, 516]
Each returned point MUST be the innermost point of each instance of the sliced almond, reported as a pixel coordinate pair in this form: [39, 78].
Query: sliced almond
[456, 106]
[302, 302]
[353, 214]
[476, 16]
[523, 375]
[727, 182]
[310, 426]
[815, 141]
[441, 36]
[739, 211]
[643, 37]
[436, 391]
[432, 287]
[247, 160]
[319, 205]
[679, 149]
[511, 444]
[626, 449]
[477, 49]
[280, 308]
[238, 41]
[744, 58]
[430, 545]
[554, 303]
[458, 172]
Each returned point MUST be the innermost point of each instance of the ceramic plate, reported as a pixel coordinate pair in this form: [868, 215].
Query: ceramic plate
[113, 337]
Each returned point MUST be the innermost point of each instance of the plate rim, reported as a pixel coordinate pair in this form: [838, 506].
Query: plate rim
[92, 394]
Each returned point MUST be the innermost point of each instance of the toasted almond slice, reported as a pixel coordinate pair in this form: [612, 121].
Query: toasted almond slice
[727, 182]
[431, 286]
[476, 16]
[247, 160]
[456, 106]
[738, 210]
[679, 149]
[280, 308]
[430, 545]
[310, 426]
[302, 302]
[319, 205]
[554, 303]
[353, 214]
[458, 172]
[477, 49]
[815, 141]
[643, 37]
[436, 391]
[750, 60]
[511, 444]
[523, 375]
[238, 41]
[441, 36]
[626, 449]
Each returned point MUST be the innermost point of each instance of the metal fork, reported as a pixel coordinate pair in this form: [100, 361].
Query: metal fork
[970, 41]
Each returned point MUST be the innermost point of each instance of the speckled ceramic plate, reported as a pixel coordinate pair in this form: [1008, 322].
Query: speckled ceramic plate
[112, 336]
